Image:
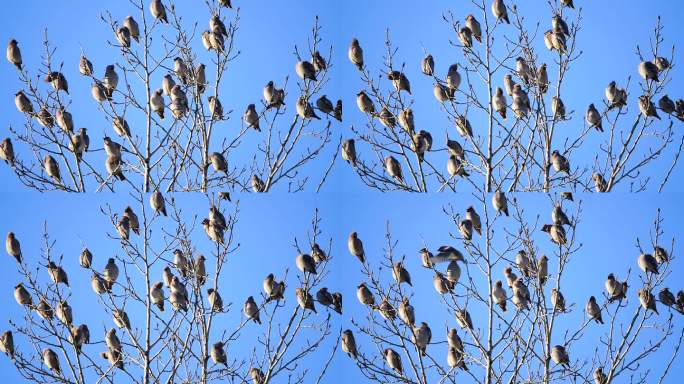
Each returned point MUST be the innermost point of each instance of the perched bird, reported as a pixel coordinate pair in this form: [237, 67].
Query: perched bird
[349, 152]
[110, 81]
[400, 81]
[387, 119]
[123, 228]
[667, 105]
[64, 313]
[180, 261]
[7, 151]
[356, 54]
[218, 162]
[157, 203]
[23, 103]
[426, 258]
[257, 184]
[167, 84]
[427, 65]
[85, 67]
[463, 127]
[393, 168]
[7, 344]
[178, 300]
[58, 81]
[22, 296]
[474, 26]
[542, 79]
[365, 103]
[51, 361]
[305, 300]
[318, 62]
[666, 297]
[648, 71]
[158, 11]
[121, 127]
[52, 168]
[454, 341]
[500, 202]
[463, 319]
[521, 295]
[511, 277]
[324, 297]
[455, 359]
[456, 168]
[157, 103]
[465, 227]
[257, 376]
[114, 357]
[557, 300]
[616, 290]
[133, 222]
[355, 246]
[215, 300]
[251, 117]
[453, 273]
[523, 263]
[57, 274]
[215, 108]
[662, 63]
[422, 142]
[542, 269]
[305, 110]
[614, 95]
[558, 108]
[123, 36]
[499, 10]
[441, 284]
[559, 217]
[599, 376]
[200, 78]
[45, 118]
[218, 355]
[337, 112]
[600, 184]
[567, 3]
[349, 344]
[86, 258]
[387, 311]
[337, 302]
[509, 84]
[406, 121]
[453, 78]
[112, 340]
[98, 284]
[442, 93]
[216, 25]
[133, 28]
[14, 54]
[214, 232]
[521, 102]
[181, 70]
[472, 216]
[251, 310]
[114, 166]
[157, 295]
[325, 105]
[400, 274]
[499, 102]
[364, 295]
[305, 70]
[660, 254]
[121, 319]
[648, 263]
[406, 312]
[647, 300]
[274, 97]
[393, 360]
[13, 246]
[647, 108]
[499, 295]
[593, 310]
[422, 336]
[560, 356]
[523, 70]
[110, 273]
[274, 290]
[305, 263]
[559, 25]
[465, 36]
[556, 233]
[455, 148]
[44, 310]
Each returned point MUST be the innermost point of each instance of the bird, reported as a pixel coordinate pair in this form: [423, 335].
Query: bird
[393, 360]
[98, 284]
[257, 376]
[251, 117]
[511, 277]
[355, 246]
[386, 310]
[217, 26]
[393, 168]
[356, 54]
[7, 344]
[474, 26]
[110, 273]
[114, 167]
[85, 67]
[123, 228]
[661, 63]
[660, 254]
[441, 284]
[557, 300]
[599, 376]
[647, 300]
[44, 310]
[7, 151]
[22, 296]
[58, 81]
[325, 105]
[257, 184]
[14, 54]
[400, 274]
[318, 62]
[427, 65]
[337, 302]
[453, 273]
[648, 71]
[600, 184]
[13, 246]
[121, 319]
[559, 25]
[57, 274]
[455, 148]
[23, 103]
[133, 222]
[666, 297]
[406, 121]
[593, 310]
[200, 78]
[218, 162]
[251, 310]
[349, 152]
[157, 103]
[647, 108]
[214, 232]
[112, 340]
[364, 295]
[472, 216]
[559, 162]
[559, 217]
[521, 102]
[305, 70]
[218, 354]
[157, 202]
[349, 344]
[52, 168]
[542, 79]
[407, 312]
[542, 269]
[180, 261]
[387, 119]
[158, 11]
[465, 36]
[422, 336]
[523, 263]
[305, 300]
[523, 70]
[274, 290]
[157, 295]
[123, 36]
[64, 313]
[110, 81]
[455, 359]
[499, 102]
[400, 81]
[305, 110]
[499, 11]
[463, 319]
[442, 93]
[567, 3]
[51, 361]
[616, 290]
[558, 108]
[556, 233]
[647, 263]
[453, 78]
[305, 263]
[560, 356]
[98, 92]
[465, 227]
[499, 295]
[446, 253]
[178, 300]
[667, 105]
[364, 103]
[521, 294]
[454, 341]
[463, 127]
[215, 300]
[133, 28]
[121, 127]
[337, 112]
[500, 202]
[324, 297]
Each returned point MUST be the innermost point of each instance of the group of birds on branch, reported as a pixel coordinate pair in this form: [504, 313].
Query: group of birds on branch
[445, 90]
[530, 270]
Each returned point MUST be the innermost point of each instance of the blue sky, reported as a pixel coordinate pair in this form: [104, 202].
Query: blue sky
[610, 32]
[267, 227]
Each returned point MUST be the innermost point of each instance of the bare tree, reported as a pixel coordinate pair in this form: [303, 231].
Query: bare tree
[170, 139]
[505, 98]
[514, 281]
[164, 317]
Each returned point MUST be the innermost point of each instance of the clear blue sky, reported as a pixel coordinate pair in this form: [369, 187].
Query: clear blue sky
[268, 226]
[610, 32]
